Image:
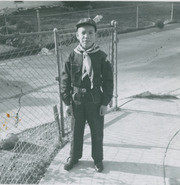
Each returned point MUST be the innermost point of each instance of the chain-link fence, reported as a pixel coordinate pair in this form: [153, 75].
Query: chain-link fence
[18, 23]
[30, 105]
[128, 17]
[28, 93]
[148, 16]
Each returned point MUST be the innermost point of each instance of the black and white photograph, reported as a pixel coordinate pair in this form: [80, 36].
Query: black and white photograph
[90, 92]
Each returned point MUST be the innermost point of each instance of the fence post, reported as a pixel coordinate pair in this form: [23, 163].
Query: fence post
[112, 49]
[88, 14]
[38, 21]
[115, 63]
[172, 11]
[59, 78]
[56, 116]
[112, 57]
[137, 17]
[5, 20]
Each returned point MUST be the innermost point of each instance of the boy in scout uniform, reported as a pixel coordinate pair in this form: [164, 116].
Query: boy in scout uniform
[87, 89]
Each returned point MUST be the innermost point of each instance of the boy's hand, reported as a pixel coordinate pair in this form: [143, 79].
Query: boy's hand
[111, 103]
[68, 111]
[103, 110]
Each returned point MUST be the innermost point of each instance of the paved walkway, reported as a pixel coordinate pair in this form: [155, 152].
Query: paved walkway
[141, 147]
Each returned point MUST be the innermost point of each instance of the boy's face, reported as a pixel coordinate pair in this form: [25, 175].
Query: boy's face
[86, 35]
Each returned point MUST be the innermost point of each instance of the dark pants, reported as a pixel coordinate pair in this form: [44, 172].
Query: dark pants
[86, 108]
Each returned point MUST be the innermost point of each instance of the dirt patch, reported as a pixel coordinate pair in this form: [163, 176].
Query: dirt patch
[149, 95]
[27, 162]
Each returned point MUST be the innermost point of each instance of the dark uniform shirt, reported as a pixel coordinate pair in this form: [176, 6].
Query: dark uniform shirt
[72, 76]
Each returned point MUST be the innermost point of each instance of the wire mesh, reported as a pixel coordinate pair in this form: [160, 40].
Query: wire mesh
[176, 14]
[148, 15]
[28, 93]
[19, 23]
[61, 20]
[126, 16]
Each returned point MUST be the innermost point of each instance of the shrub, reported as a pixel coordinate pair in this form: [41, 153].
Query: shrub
[12, 21]
[159, 24]
[4, 30]
[24, 27]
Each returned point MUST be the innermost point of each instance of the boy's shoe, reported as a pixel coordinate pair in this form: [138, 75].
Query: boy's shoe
[70, 163]
[99, 166]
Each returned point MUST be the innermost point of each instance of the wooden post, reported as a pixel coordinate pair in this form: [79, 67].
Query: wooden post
[56, 117]
[59, 60]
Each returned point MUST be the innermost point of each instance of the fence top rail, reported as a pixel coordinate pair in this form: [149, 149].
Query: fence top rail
[73, 31]
[31, 16]
[26, 34]
[59, 30]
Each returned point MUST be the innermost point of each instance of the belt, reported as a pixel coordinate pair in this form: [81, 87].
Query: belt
[83, 90]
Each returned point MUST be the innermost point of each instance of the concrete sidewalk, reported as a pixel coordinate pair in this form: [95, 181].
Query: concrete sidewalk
[141, 147]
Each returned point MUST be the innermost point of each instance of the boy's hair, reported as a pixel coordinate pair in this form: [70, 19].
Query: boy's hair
[86, 21]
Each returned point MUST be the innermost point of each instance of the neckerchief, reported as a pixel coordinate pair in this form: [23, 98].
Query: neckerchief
[87, 66]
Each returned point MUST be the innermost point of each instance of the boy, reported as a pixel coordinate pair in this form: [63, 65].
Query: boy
[87, 89]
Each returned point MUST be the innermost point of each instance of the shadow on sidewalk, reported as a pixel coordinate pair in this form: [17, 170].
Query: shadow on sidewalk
[111, 122]
[132, 146]
[85, 169]
[142, 168]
